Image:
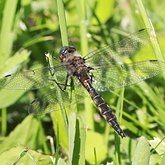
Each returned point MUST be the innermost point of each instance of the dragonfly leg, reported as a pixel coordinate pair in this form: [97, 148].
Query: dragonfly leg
[65, 85]
[66, 81]
[58, 84]
[92, 77]
[71, 85]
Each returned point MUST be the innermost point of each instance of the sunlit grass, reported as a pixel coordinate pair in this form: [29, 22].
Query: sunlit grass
[140, 108]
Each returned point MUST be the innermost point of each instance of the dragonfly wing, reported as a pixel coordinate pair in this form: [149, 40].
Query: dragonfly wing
[51, 100]
[48, 102]
[116, 76]
[115, 52]
[33, 79]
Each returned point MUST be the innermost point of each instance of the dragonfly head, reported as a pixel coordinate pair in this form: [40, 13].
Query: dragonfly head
[66, 51]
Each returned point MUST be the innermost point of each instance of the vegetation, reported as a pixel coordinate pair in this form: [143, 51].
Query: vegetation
[75, 133]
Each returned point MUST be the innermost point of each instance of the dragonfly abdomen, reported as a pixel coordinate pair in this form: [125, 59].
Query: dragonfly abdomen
[104, 108]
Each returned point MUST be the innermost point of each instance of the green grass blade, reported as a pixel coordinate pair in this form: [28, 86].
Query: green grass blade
[76, 141]
[6, 37]
[3, 121]
[163, 160]
[62, 22]
[81, 10]
[16, 60]
[142, 152]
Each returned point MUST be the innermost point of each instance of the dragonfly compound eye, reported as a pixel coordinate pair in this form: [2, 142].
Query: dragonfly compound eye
[62, 51]
[71, 49]
[65, 51]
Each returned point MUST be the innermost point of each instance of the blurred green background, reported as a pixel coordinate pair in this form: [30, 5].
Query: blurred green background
[30, 28]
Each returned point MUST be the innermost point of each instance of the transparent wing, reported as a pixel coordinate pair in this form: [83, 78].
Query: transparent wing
[116, 76]
[33, 79]
[49, 77]
[115, 52]
[48, 102]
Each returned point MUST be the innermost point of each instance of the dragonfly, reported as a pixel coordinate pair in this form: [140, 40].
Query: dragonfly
[107, 68]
